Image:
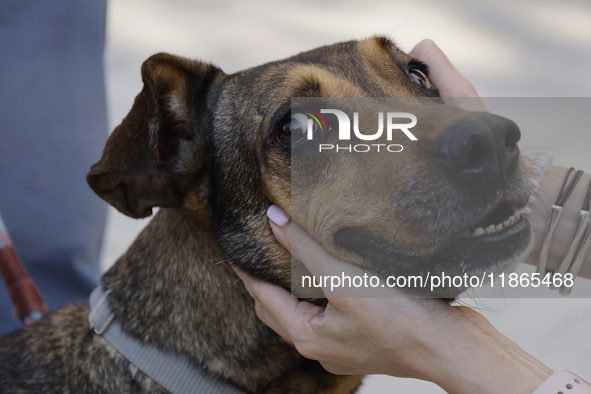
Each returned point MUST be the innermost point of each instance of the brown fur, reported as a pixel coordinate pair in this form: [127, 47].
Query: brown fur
[198, 143]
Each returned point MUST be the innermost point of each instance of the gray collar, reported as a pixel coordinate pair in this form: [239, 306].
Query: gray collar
[175, 372]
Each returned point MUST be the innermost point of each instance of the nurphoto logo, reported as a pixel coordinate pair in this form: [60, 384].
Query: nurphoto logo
[344, 123]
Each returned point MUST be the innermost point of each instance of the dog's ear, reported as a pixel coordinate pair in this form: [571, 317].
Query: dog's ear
[153, 156]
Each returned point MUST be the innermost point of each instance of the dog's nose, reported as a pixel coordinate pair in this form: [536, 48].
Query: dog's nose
[480, 149]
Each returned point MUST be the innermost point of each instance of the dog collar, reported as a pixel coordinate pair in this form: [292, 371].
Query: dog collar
[176, 373]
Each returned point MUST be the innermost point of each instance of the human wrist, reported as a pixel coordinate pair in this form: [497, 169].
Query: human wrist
[538, 218]
[495, 364]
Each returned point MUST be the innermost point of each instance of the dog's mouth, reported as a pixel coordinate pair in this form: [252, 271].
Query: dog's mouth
[501, 219]
[492, 245]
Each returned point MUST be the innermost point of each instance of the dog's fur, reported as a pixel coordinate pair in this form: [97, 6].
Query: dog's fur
[200, 144]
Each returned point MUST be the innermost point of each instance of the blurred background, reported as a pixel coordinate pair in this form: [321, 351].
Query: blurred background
[506, 48]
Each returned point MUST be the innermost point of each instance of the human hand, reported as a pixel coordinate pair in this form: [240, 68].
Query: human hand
[442, 72]
[420, 338]
[345, 336]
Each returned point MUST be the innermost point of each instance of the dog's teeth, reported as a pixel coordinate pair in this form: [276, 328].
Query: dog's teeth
[493, 229]
[532, 199]
[524, 211]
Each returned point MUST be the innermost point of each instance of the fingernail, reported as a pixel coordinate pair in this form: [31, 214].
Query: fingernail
[277, 216]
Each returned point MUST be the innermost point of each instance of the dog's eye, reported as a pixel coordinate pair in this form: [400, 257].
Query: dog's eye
[419, 78]
[294, 129]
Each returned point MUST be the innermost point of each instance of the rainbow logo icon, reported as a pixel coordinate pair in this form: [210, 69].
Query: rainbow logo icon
[316, 115]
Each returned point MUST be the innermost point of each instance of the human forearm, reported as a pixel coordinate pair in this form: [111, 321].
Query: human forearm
[481, 360]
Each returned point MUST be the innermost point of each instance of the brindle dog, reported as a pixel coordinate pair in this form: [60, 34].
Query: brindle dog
[210, 150]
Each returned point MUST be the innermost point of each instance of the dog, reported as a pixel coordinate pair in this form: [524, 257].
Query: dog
[213, 151]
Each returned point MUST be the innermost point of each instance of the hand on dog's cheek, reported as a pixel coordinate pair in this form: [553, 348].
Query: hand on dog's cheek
[455, 347]
[326, 334]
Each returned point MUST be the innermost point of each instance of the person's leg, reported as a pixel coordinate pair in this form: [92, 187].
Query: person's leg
[53, 127]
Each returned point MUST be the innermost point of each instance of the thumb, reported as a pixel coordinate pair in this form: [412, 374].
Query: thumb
[321, 263]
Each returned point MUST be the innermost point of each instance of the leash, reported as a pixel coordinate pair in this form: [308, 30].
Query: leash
[176, 373]
[25, 297]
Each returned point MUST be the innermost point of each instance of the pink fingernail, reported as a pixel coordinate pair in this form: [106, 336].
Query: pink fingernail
[277, 216]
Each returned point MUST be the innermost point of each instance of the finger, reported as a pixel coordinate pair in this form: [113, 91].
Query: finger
[263, 291]
[246, 279]
[298, 242]
[275, 306]
[442, 72]
[319, 262]
[266, 317]
[281, 226]
[259, 290]
[452, 85]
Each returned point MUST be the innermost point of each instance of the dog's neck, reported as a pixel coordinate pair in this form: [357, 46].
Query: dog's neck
[173, 289]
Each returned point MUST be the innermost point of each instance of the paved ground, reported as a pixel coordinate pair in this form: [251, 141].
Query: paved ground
[507, 48]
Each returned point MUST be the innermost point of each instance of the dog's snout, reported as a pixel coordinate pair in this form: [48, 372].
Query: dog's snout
[480, 148]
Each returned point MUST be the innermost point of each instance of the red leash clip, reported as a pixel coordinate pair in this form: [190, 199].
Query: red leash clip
[25, 297]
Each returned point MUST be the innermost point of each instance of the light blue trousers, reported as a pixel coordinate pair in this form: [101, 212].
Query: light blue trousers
[53, 126]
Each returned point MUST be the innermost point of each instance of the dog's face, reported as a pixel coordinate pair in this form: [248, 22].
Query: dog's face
[219, 147]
